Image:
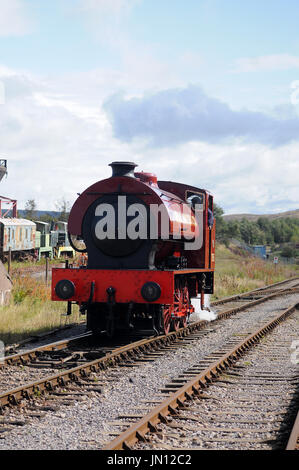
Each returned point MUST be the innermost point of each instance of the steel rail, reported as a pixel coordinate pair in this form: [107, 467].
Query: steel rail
[32, 353]
[254, 291]
[119, 355]
[41, 336]
[293, 442]
[159, 414]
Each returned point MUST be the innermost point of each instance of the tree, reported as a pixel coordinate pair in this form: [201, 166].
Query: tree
[63, 207]
[220, 223]
[30, 209]
[288, 252]
[218, 211]
[233, 229]
[47, 218]
[266, 226]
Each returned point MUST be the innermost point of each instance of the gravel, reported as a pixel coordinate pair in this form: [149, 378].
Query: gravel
[247, 409]
[87, 423]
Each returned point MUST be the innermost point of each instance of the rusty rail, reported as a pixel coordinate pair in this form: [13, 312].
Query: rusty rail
[31, 354]
[254, 291]
[293, 443]
[58, 345]
[147, 424]
[119, 355]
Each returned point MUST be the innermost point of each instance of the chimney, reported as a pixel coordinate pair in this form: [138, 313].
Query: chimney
[123, 169]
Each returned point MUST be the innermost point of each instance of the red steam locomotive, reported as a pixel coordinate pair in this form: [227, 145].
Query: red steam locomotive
[150, 248]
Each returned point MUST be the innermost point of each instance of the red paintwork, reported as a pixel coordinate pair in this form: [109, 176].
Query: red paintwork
[205, 257]
[128, 283]
[148, 192]
[149, 178]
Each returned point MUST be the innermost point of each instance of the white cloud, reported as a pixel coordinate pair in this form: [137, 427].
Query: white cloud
[175, 115]
[243, 178]
[14, 18]
[55, 144]
[267, 62]
[58, 141]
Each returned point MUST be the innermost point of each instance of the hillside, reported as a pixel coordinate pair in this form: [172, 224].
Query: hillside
[22, 213]
[238, 271]
[254, 217]
[251, 217]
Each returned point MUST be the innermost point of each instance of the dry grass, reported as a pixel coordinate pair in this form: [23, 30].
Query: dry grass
[238, 272]
[30, 310]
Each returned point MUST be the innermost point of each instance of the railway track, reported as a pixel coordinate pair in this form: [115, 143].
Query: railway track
[76, 372]
[226, 419]
[70, 359]
[237, 302]
[293, 282]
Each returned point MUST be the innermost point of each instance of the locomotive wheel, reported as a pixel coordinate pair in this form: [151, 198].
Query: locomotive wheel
[175, 324]
[181, 301]
[183, 322]
[167, 323]
[164, 319]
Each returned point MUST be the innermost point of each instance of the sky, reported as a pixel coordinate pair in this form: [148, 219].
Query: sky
[203, 92]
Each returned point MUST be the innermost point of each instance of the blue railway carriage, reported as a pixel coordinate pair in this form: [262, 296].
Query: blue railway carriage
[17, 235]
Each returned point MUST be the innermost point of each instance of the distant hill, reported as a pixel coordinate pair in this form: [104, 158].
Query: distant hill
[254, 217]
[251, 217]
[21, 213]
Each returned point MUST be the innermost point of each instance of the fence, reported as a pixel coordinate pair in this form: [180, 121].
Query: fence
[249, 249]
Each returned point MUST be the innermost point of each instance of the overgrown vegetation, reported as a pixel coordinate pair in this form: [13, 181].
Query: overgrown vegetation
[281, 232]
[30, 310]
[261, 232]
[237, 271]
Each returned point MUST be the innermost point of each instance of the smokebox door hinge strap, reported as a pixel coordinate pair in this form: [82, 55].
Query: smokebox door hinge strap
[91, 296]
[110, 319]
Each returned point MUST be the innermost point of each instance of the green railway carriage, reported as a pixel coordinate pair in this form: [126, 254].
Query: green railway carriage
[43, 240]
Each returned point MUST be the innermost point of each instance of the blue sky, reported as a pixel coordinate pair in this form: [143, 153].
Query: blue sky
[199, 91]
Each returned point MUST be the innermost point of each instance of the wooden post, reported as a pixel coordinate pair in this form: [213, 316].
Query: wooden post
[47, 269]
[9, 261]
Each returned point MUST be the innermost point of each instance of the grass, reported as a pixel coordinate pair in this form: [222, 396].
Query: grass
[31, 311]
[238, 272]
